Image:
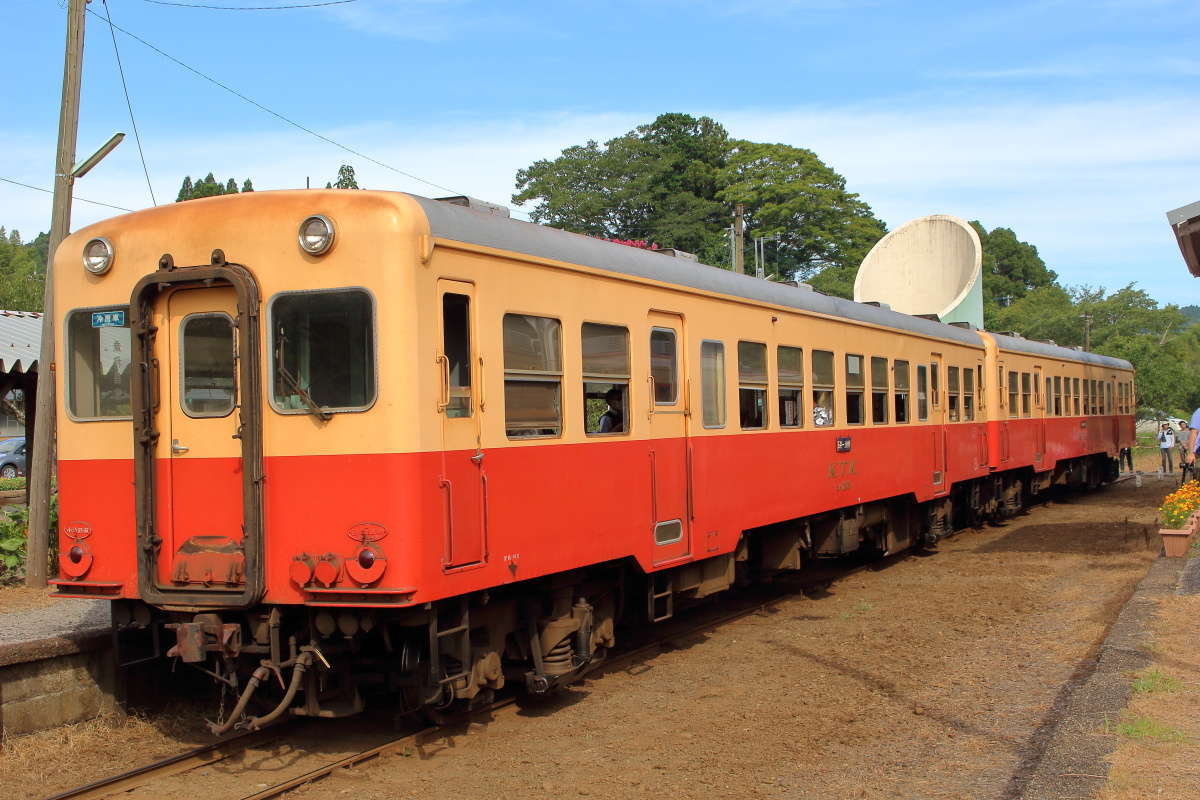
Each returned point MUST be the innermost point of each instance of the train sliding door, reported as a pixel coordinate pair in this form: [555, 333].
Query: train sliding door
[670, 473]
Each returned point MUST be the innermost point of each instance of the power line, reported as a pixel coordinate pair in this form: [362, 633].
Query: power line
[80, 199]
[276, 114]
[251, 8]
[129, 105]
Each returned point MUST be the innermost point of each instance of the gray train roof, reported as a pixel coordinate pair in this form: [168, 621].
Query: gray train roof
[1035, 347]
[462, 224]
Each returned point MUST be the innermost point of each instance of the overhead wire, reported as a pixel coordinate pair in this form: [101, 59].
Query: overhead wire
[276, 114]
[128, 104]
[73, 197]
[252, 8]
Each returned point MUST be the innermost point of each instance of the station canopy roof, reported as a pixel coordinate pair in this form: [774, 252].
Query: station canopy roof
[20, 341]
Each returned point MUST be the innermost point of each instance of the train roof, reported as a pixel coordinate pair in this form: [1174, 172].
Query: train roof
[463, 224]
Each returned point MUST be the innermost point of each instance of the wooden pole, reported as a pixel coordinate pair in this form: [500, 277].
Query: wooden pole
[42, 453]
[739, 237]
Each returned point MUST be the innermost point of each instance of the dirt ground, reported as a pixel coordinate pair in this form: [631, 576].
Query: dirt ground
[19, 598]
[925, 678]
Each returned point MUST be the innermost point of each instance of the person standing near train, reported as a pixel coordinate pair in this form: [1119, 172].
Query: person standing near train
[1166, 444]
[1193, 429]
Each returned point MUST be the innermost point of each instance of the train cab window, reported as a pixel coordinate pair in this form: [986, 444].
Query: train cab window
[1026, 394]
[712, 383]
[922, 392]
[822, 378]
[952, 397]
[968, 394]
[97, 378]
[789, 365]
[752, 385]
[879, 390]
[456, 347]
[664, 366]
[605, 379]
[1058, 396]
[532, 376]
[1014, 390]
[900, 381]
[207, 372]
[323, 349]
[854, 390]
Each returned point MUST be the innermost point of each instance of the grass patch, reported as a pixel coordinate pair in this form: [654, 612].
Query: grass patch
[1142, 729]
[9, 484]
[1155, 680]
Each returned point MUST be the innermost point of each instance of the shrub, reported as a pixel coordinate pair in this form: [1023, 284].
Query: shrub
[14, 531]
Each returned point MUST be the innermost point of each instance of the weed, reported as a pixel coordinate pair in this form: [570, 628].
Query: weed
[863, 606]
[1155, 680]
[1142, 729]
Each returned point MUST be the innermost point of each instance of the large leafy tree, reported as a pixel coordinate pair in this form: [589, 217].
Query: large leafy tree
[21, 273]
[675, 182]
[1011, 268]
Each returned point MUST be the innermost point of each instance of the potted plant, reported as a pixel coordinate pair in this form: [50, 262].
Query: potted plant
[1179, 519]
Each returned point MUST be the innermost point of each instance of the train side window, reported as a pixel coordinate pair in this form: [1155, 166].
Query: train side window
[922, 392]
[456, 346]
[979, 386]
[854, 390]
[208, 374]
[1058, 395]
[952, 389]
[1037, 392]
[1049, 397]
[1026, 380]
[935, 386]
[97, 361]
[1108, 397]
[532, 376]
[822, 378]
[968, 394]
[1014, 389]
[664, 366]
[712, 383]
[879, 390]
[789, 365]
[323, 349]
[900, 381]
[1089, 396]
[1075, 395]
[605, 379]
[752, 385]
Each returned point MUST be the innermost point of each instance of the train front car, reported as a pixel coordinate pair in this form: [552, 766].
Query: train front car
[242, 465]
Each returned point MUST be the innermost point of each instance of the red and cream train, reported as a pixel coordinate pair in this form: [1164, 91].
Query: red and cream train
[340, 434]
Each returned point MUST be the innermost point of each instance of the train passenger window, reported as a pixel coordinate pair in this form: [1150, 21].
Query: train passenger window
[752, 385]
[1075, 394]
[1026, 380]
[1058, 395]
[822, 378]
[900, 380]
[979, 385]
[1037, 393]
[323, 349]
[605, 379]
[922, 393]
[97, 361]
[968, 394]
[1089, 396]
[789, 363]
[952, 389]
[879, 390]
[456, 347]
[712, 383]
[854, 390]
[532, 376]
[1014, 390]
[207, 372]
[1108, 397]
[664, 366]
[1049, 397]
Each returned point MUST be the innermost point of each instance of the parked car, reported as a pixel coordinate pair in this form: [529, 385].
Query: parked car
[12, 457]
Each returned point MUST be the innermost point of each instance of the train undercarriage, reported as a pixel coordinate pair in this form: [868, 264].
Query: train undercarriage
[276, 661]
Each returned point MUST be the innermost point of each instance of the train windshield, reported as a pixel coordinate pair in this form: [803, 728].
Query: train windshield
[323, 345]
[97, 379]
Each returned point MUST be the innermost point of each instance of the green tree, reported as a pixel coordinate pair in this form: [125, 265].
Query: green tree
[185, 190]
[231, 186]
[21, 279]
[1011, 268]
[345, 178]
[247, 186]
[208, 186]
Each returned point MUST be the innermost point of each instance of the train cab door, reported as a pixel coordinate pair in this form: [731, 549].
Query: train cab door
[937, 415]
[1039, 411]
[463, 479]
[670, 464]
[199, 484]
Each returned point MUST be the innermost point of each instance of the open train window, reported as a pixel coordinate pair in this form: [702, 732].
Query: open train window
[879, 390]
[790, 374]
[855, 413]
[1026, 394]
[712, 383]
[323, 351]
[900, 382]
[752, 385]
[952, 389]
[922, 393]
[1014, 391]
[664, 366]
[822, 378]
[532, 376]
[605, 379]
[97, 362]
[968, 394]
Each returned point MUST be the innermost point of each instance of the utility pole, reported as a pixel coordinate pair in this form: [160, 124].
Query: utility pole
[739, 233]
[1087, 332]
[38, 544]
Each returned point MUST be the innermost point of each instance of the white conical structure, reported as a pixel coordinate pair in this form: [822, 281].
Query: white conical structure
[931, 265]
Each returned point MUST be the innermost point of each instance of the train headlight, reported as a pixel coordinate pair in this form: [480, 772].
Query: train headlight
[316, 234]
[98, 255]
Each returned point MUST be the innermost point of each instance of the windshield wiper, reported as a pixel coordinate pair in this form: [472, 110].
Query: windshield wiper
[292, 384]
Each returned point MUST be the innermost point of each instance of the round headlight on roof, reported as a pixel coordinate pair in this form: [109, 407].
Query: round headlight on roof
[98, 255]
[316, 234]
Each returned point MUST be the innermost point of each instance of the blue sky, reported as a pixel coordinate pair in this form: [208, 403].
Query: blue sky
[1074, 123]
